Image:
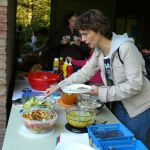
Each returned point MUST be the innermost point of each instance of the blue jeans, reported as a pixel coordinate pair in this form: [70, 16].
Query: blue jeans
[139, 125]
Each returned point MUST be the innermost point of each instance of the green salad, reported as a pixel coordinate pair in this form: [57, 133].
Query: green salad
[36, 102]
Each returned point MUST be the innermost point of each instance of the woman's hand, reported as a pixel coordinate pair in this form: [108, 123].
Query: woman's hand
[51, 90]
[95, 90]
[77, 41]
[69, 59]
[64, 40]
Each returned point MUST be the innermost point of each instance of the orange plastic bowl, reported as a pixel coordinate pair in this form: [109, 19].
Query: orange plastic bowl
[69, 99]
[42, 80]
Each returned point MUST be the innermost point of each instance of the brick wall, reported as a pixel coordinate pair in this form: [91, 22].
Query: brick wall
[3, 41]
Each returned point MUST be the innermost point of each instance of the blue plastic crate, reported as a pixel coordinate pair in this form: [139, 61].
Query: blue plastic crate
[106, 132]
[122, 145]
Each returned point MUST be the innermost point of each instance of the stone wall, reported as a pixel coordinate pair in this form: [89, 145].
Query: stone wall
[3, 42]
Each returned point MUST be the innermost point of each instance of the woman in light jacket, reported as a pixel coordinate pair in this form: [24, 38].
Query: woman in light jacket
[122, 68]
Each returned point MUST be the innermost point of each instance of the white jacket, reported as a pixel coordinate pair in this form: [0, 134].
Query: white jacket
[130, 85]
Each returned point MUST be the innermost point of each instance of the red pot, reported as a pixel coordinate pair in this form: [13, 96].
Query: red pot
[42, 80]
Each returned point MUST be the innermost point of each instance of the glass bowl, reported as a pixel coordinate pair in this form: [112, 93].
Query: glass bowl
[80, 118]
[88, 102]
[39, 120]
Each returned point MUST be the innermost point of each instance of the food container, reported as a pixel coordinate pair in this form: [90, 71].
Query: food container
[39, 120]
[69, 99]
[80, 118]
[88, 102]
[38, 102]
[42, 80]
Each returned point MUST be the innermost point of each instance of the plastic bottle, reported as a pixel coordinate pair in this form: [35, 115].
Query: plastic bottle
[55, 65]
[61, 62]
[69, 69]
[64, 68]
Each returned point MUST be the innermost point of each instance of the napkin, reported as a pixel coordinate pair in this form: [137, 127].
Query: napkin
[72, 146]
[75, 138]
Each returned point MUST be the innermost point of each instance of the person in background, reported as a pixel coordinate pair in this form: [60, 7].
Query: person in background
[29, 47]
[34, 40]
[122, 67]
[69, 40]
[96, 79]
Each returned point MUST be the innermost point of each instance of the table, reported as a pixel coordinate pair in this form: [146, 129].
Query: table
[14, 140]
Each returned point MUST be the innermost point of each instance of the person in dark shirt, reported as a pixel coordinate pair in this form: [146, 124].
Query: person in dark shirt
[69, 40]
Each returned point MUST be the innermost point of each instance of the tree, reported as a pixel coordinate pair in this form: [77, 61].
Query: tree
[32, 14]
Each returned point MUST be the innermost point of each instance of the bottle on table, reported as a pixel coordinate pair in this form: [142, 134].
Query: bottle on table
[64, 69]
[55, 65]
[61, 62]
[69, 69]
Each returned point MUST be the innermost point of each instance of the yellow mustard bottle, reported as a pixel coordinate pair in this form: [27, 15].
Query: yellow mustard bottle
[55, 65]
[64, 69]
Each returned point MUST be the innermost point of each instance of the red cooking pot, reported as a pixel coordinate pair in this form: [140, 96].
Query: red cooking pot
[42, 80]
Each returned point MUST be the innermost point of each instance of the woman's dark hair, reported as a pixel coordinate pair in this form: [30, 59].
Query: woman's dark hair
[96, 21]
[72, 14]
[69, 15]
